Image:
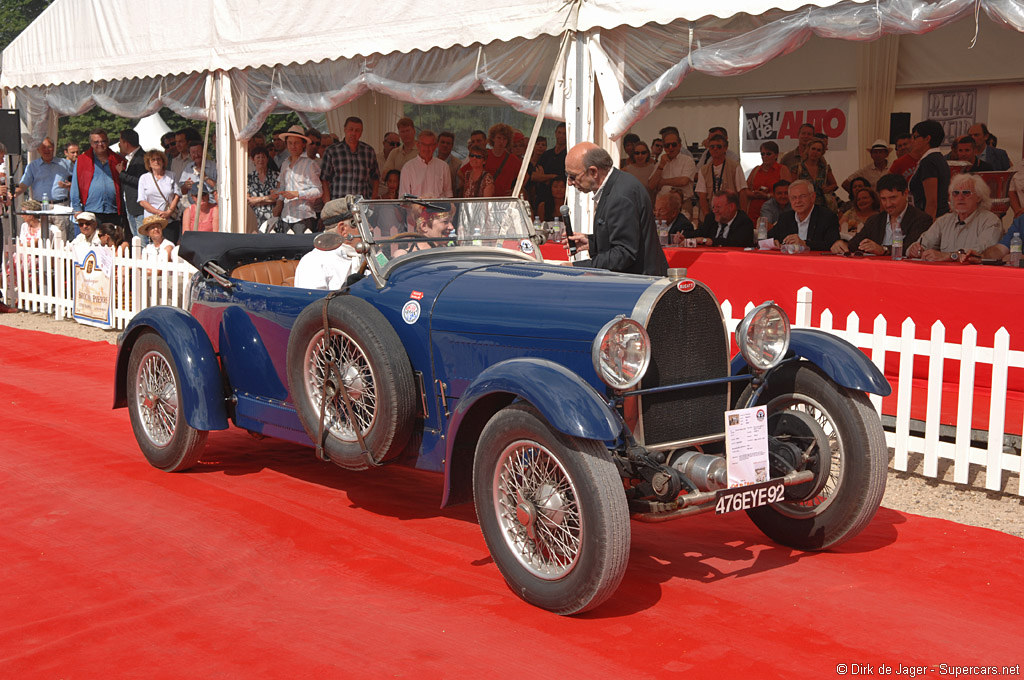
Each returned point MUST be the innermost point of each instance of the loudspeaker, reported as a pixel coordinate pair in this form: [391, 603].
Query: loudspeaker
[10, 131]
[899, 124]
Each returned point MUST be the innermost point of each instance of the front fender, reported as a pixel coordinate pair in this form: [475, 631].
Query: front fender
[202, 393]
[844, 363]
[565, 400]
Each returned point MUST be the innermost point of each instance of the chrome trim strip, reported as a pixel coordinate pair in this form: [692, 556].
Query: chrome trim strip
[687, 442]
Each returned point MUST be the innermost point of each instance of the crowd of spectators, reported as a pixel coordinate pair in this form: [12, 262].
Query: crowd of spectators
[704, 196]
[943, 208]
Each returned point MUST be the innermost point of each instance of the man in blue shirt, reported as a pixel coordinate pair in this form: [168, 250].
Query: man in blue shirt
[1001, 250]
[96, 181]
[61, 190]
[38, 177]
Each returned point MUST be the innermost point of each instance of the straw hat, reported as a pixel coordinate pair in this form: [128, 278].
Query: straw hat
[150, 222]
[880, 145]
[295, 131]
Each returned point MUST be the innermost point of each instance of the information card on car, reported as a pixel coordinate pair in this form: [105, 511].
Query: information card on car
[746, 454]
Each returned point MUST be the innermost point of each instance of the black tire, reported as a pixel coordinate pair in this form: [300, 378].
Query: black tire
[154, 394]
[857, 473]
[376, 369]
[586, 509]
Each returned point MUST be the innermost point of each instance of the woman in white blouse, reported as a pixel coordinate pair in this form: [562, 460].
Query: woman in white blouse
[158, 192]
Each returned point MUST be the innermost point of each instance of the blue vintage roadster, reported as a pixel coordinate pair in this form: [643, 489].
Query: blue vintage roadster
[562, 400]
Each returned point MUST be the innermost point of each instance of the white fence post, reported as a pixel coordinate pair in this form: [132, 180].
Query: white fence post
[934, 409]
[997, 410]
[905, 387]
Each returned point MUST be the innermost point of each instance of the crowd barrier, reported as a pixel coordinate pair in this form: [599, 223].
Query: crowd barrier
[39, 275]
[42, 273]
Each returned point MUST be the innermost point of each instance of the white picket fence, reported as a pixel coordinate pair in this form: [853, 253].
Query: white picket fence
[963, 452]
[42, 273]
[45, 286]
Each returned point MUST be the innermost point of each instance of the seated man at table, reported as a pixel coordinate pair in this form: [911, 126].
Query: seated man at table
[667, 207]
[876, 235]
[727, 225]
[813, 226]
[1001, 250]
[968, 226]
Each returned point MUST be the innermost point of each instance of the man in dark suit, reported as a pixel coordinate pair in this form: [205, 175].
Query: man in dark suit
[813, 226]
[875, 236]
[132, 168]
[727, 225]
[624, 238]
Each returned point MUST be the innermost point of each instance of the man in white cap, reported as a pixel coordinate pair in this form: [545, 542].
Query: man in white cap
[873, 171]
[332, 261]
[87, 230]
[298, 185]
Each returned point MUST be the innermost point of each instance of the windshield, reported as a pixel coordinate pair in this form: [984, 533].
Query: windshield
[400, 228]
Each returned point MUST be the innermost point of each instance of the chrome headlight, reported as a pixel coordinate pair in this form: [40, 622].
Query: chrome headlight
[621, 353]
[763, 336]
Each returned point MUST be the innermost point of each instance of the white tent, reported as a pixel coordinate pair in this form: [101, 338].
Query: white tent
[237, 61]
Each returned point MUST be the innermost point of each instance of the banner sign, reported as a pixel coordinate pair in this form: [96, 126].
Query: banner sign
[779, 119]
[957, 110]
[94, 268]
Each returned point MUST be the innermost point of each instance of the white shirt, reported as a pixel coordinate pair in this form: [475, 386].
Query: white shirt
[426, 180]
[152, 252]
[680, 166]
[303, 177]
[157, 193]
[803, 224]
[327, 269]
[80, 240]
[178, 165]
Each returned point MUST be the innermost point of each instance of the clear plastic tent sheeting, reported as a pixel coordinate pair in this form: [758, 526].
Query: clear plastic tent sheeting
[132, 98]
[515, 72]
[651, 61]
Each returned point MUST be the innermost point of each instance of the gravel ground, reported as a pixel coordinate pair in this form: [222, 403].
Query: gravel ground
[906, 491]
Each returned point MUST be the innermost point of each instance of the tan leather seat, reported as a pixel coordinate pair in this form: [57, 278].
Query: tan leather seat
[272, 272]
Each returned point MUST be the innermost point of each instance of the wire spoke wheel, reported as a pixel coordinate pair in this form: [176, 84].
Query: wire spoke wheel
[157, 398]
[552, 511]
[155, 407]
[824, 498]
[536, 503]
[351, 371]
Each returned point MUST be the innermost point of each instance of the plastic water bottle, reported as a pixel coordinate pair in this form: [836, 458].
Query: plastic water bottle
[897, 243]
[1015, 247]
[45, 202]
[762, 228]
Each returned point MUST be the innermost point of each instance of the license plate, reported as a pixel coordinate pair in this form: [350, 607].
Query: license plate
[747, 497]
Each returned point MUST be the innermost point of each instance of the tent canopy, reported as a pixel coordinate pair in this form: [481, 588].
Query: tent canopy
[124, 39]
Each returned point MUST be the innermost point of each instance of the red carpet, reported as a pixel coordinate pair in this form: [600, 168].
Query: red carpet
[265, 563]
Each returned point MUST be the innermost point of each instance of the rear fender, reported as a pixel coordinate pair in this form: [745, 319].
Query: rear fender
[566, 401]
[202, 392]
[841, 361]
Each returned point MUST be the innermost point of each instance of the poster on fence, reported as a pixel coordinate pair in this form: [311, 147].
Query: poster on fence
[93, 275]
[779, 119]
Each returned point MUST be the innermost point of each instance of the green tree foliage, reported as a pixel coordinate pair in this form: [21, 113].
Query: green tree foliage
[462, 119]
[16, 15]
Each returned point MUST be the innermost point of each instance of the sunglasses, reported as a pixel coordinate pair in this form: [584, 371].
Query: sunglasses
[641, 153]
[670, 145]
[961, 192]
[476, 155]
[715, 146]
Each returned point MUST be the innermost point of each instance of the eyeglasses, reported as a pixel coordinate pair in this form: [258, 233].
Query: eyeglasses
[716, 146]
[961, 192]
[391, 143]
[574, 178]
[768, 153]
[476, 155]
[670, 145]
[641, 153]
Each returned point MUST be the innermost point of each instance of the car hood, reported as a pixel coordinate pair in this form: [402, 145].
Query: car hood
[536, 300]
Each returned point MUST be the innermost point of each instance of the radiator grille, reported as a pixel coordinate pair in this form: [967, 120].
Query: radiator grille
[688, 343]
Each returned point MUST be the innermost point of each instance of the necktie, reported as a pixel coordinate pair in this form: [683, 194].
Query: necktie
[960, 223]
[721, 230]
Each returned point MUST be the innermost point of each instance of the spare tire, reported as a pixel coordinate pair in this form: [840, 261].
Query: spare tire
[373, 366]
